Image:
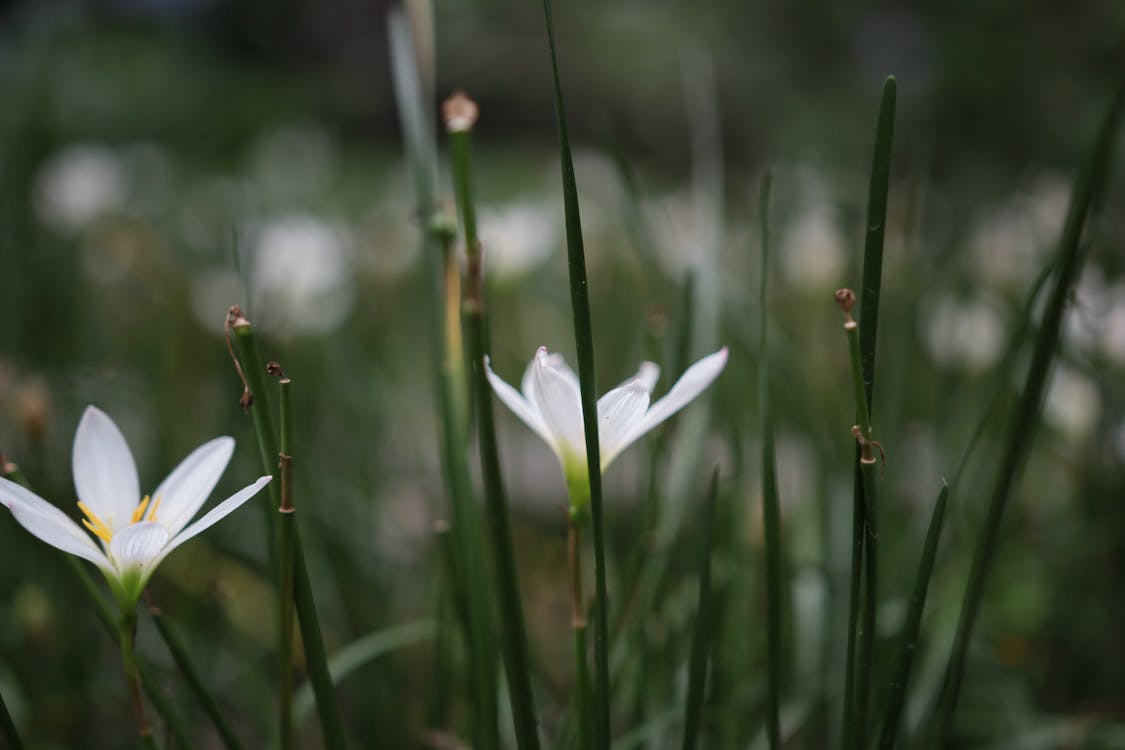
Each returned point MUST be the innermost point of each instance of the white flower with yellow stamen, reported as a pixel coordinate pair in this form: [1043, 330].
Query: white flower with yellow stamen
[551, 404]
[134, 533]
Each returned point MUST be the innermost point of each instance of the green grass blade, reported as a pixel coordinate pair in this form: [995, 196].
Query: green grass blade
[856, 685]
[908, 646]
[363, 651]
[1087, 188]
[8, 730]
[286, 528]
[701, 639]
[513, 638]
[584, 345]
[195, 681]
[771, 504]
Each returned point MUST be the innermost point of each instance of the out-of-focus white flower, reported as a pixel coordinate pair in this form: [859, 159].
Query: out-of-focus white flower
[518, 238]
[1113, 326]
[1073, 403]
[301, 274]
[77, 185]
[551, 405]
[134, 533]
[812, 254]
[1010, 245]
[964, 333]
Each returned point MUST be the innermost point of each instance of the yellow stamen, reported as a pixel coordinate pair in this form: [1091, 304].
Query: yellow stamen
[152, 511]
[94, 524]
[139, 512]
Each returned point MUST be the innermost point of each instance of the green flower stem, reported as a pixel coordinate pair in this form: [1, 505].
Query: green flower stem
[864, 531]
[108, 618]
[1087, 189]
[468, 576]
[460, 114]
[584, 730]
[195, 681]
[127, 633]
[771, 505]
[331, 727]
[909, 643]
[701, 640]
[870, 542]
[286, 528]
[584, 345]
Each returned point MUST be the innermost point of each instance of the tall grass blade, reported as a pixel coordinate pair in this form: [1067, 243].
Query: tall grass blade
[896, 699]
[584, 345]
[701, 639]
[771, 504]
[1087, 188]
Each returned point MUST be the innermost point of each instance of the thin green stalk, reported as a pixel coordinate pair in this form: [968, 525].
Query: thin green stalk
[195, 681]
[701, 639]
[8, 730]
[109, 620]
[127, 634]
[286, 527]
[331, 727]
[468, 575]
[864, 549]
[1087, 189]
[460, 114]
[578, 623]
[771, 504]
[909, 643]
[584, 345]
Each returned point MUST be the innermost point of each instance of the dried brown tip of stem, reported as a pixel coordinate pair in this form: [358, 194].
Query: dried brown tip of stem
[273, 368]
[459, 112]
[236, 320]
[845, 298]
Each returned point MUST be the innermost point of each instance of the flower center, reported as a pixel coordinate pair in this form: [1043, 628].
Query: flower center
[102, 530]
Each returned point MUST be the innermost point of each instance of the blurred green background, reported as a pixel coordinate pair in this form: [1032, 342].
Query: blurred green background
[161, 160]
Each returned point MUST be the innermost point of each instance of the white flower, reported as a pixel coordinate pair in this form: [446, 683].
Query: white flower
[134, 533]
[551, 405]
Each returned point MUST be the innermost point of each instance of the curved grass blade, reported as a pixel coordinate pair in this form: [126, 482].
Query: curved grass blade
[363, 651]
[8, 730]
[909, 643]
[584, 345]
[1087, 189]
[701, 640]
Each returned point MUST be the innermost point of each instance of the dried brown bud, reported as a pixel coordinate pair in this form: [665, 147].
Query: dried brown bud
[246, 401]
[845, 298]
[273, 368]
[459, 112]
[235, 319]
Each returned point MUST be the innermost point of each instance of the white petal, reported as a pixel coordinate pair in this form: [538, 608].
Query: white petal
[189, 485]
[693, 382]
[618, 411]
[647, 375]
[556, 394]
[218, 513]
[518, 404]
[49, 523]
[139, 544]
[104, 473]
